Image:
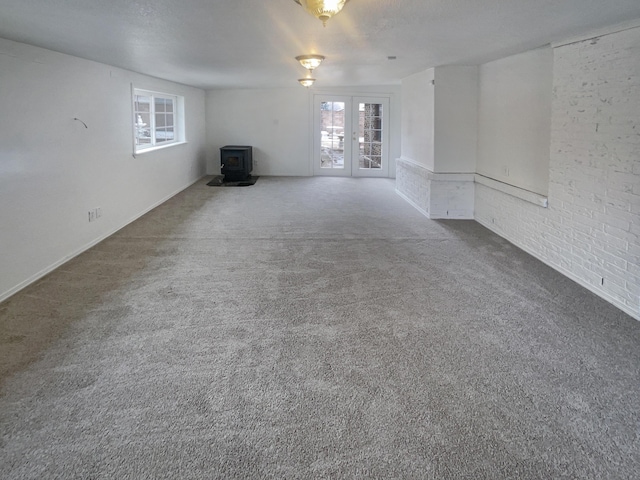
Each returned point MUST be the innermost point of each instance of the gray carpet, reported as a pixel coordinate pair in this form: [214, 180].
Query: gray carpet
[313, 328]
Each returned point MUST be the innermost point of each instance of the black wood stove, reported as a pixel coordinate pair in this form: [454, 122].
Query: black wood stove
[236, 162]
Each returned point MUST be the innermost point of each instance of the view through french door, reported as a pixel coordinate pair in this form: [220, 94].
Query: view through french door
[351, 136]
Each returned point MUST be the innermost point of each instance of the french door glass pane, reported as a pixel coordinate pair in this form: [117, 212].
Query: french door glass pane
[332, 135]
[370, 135]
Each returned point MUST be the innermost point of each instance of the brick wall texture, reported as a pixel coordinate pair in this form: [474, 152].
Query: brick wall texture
[412, 181]
[591, 229]
[435, 196]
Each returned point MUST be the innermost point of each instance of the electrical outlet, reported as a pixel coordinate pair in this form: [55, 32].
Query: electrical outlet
[95, 213]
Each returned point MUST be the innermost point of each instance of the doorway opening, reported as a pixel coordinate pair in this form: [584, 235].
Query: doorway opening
[351, 136]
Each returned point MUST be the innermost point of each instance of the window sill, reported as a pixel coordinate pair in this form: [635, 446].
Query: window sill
[159, 147]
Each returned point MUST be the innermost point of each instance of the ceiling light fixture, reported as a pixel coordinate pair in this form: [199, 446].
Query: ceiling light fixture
[306, 82]
[323, 10]
[310, 61]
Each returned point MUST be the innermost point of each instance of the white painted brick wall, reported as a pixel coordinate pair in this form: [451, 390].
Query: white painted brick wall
[412, 182]
[435, 195]
[591, 229]
[452, 199]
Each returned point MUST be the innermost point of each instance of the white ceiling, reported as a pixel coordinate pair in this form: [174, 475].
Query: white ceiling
[251, 43]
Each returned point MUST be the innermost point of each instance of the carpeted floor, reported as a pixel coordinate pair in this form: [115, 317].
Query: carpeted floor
[313, 328]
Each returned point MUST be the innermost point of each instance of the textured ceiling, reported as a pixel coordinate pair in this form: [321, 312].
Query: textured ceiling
[252, 43]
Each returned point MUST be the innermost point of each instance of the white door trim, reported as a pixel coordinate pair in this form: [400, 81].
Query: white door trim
[351, 137]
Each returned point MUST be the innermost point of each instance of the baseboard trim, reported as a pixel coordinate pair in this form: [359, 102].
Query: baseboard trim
[413, 204]
[604, 295]
[37, 276]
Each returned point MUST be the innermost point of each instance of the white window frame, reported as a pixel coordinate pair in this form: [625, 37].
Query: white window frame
[138, 123]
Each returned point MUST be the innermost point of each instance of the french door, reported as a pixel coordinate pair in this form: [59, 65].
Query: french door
[351, 136]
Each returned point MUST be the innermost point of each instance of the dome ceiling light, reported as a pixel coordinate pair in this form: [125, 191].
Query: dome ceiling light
[310, 61]
[306, 82]
[323, 10]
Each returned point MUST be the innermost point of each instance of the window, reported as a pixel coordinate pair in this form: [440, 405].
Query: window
[156, 119]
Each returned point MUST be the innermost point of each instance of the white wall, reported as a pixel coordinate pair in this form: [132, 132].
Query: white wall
[277, 123]
[418, 107]
[439, 122]
[53, 169]
[591, 230]
[274, 121]
[439, 135]
[456, 119]
[514, 126]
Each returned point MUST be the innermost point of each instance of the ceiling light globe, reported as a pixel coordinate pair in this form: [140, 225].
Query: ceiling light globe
[322, 9]
[310, 61]
[306, 82]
